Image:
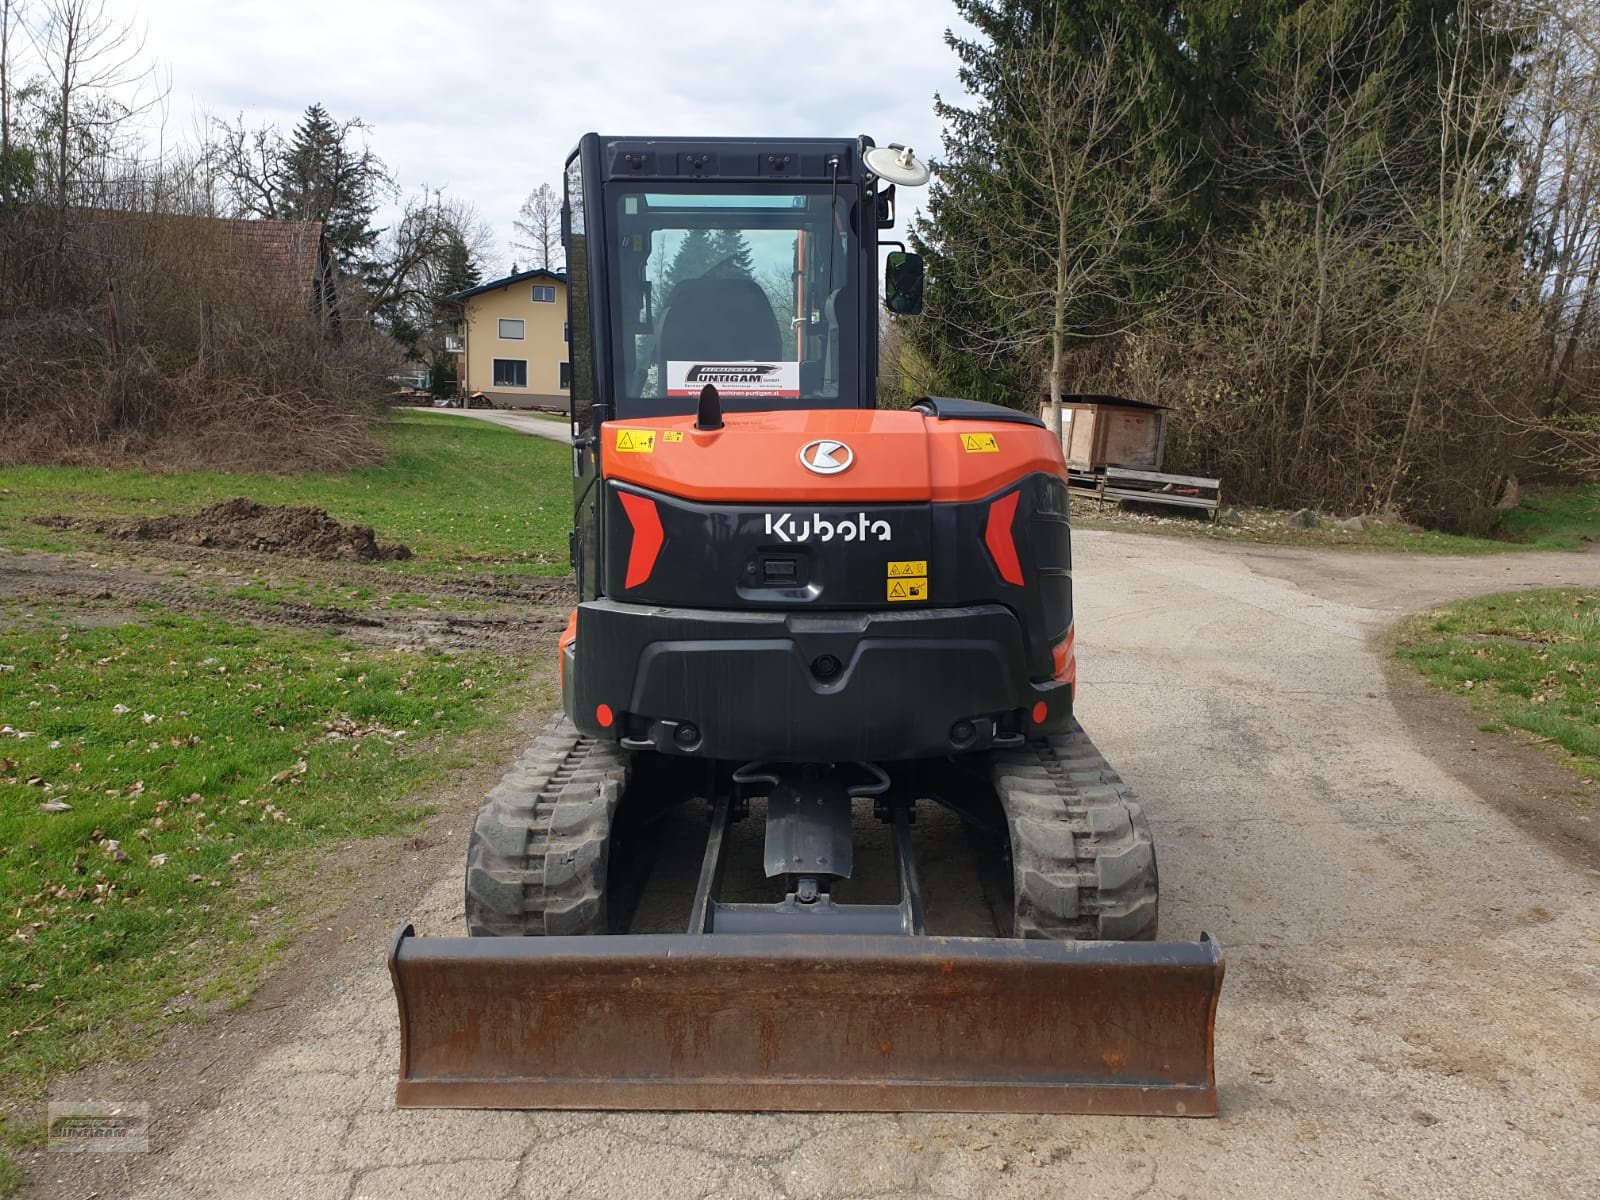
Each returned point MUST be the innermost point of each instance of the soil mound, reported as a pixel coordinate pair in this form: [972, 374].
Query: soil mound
[242, 524]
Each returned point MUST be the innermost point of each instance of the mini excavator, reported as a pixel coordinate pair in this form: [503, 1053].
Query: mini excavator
[796, 606]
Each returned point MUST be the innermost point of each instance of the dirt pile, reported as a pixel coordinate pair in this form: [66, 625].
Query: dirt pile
[243, 524]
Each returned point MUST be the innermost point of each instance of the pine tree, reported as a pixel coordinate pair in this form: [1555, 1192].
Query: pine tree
[730, 255]
[324, 179]
[693, 256]
[456, 273]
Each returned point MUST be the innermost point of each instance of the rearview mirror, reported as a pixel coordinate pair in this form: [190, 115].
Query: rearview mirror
[902, 283]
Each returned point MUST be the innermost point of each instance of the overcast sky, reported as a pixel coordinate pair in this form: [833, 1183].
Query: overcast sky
[486, 99]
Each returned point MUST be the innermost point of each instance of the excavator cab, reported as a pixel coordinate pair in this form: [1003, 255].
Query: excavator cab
[796, 606]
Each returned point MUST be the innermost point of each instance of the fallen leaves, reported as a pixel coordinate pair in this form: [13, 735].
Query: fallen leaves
[19, 734]
[290, 773]
[344, 729]
[55, 806]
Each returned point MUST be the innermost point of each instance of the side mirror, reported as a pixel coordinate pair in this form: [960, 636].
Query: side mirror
[902, 283]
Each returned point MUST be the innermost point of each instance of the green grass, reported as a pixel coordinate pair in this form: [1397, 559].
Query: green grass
[1528, 661]
[315, 594]
[1554, 519]
[10, 1174]
[460, 494]
[199, 766]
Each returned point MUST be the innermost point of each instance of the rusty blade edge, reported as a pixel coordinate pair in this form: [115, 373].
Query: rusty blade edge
[810, 1096]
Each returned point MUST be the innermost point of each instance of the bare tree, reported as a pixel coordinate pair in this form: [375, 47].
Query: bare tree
[1087, 148]
[1559, 115]
[249, 164]
[1455, 225]
[539, 221]
[10, 13]
[1325, 144]
[92, 62]
[417, 247]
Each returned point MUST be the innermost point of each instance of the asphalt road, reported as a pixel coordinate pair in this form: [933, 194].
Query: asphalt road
[1411, 1003]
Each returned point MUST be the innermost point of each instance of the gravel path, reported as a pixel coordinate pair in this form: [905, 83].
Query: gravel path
[1410, 1008]
[522, 422]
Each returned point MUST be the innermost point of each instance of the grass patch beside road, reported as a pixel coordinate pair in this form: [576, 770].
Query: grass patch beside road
[1554, 519]
[155, 774]
[460, 494]
[1528, 661]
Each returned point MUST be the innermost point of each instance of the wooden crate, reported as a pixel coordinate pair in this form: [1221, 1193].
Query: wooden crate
[1109, 431]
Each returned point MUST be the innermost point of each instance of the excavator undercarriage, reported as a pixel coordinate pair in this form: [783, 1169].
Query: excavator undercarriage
[804, 1003]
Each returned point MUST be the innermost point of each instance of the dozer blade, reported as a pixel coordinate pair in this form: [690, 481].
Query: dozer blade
[798, 1022]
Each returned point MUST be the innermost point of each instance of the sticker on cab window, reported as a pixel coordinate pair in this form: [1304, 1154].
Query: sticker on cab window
[734, 377]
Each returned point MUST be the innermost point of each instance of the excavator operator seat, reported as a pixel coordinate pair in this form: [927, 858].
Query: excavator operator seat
[711, 319]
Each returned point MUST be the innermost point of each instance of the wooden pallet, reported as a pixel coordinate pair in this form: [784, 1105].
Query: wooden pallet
[1152, 487]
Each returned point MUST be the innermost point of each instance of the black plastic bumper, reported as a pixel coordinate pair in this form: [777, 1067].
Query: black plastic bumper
[812, 687]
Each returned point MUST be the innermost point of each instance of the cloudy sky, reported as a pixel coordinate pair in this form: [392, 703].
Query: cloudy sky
[485, 99]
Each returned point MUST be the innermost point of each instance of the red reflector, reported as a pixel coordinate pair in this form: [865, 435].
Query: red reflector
[647, 536]
[997, 536]
[1041, 710]
[1066, 662]
[604, 715]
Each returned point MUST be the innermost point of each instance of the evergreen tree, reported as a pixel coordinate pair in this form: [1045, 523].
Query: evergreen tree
[730, 255]
[707, 254]
[323, 179]
[690, 261]
[1332, 107]
[456, 273]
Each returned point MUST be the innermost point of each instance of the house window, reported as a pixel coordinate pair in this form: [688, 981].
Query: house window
[511, 328]
[566, 332]
[566, 376]
[511, 372]
[544, 293]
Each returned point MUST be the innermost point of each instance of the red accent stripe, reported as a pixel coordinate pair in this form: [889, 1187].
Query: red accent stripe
[647, 536]
[997, 536]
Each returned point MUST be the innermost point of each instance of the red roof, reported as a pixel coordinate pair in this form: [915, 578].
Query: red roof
[284, 251]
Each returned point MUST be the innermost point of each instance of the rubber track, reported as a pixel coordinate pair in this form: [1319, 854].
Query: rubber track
[536, 863]
[1082, 857]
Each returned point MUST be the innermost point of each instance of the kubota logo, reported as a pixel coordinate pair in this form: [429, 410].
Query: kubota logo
[826, 457]
[850, 529]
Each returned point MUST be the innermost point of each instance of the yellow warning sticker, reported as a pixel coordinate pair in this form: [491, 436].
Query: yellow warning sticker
[636, 441]
[917, 566]
[980, 443]
[672, 435]
[908, 589]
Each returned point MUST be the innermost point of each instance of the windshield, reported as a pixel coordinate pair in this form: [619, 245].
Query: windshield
[751, 292]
